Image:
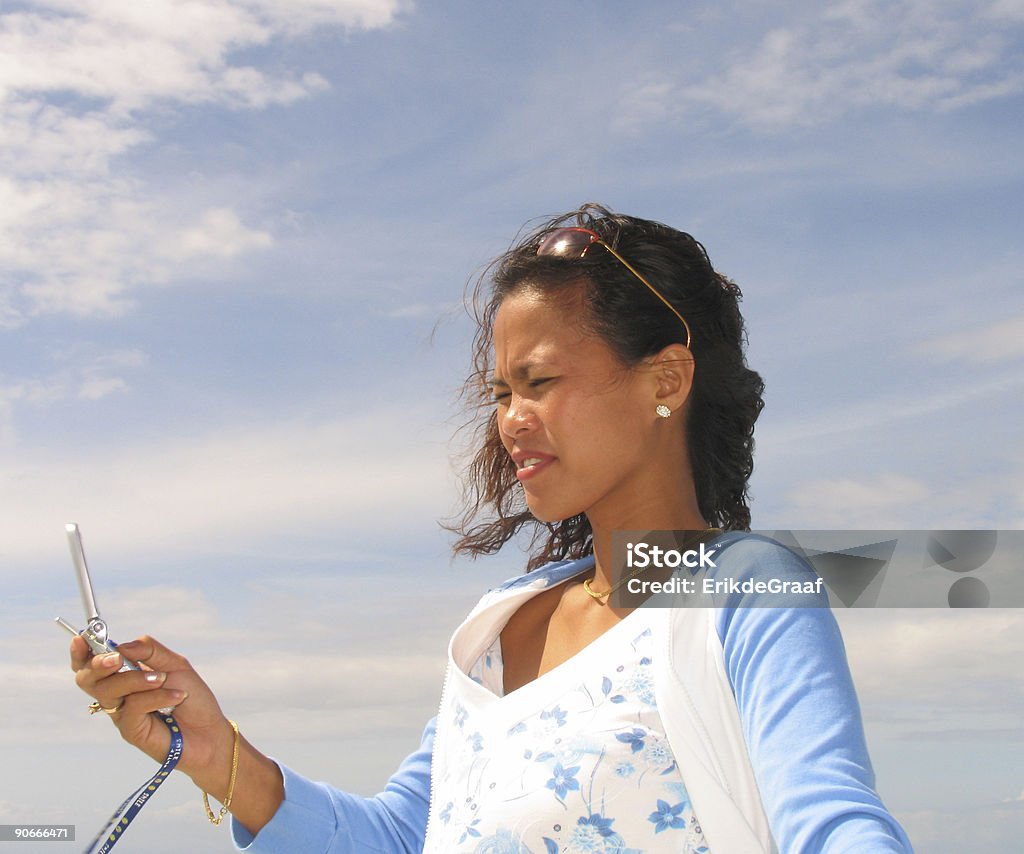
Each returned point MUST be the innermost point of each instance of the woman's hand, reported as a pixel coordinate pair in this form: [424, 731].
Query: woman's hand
[166, 680]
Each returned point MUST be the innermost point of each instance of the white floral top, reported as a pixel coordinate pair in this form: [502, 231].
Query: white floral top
[574, 761]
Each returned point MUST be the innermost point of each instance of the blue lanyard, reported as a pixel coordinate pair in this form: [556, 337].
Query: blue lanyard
[114, 829]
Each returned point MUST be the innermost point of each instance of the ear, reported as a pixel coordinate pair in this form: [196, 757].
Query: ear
[672, 371]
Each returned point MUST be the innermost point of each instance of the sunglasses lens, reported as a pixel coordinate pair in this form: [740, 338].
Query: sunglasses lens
[567, 242]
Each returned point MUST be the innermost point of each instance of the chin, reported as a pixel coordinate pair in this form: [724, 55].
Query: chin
[549, 513]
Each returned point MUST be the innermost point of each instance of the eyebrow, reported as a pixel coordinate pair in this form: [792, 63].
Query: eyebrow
[520, 372]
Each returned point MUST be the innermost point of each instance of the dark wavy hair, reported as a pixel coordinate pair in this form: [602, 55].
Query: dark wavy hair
[724, 402]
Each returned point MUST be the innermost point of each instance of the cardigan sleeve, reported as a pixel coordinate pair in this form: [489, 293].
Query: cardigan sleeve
[800, 715]
[316, 818]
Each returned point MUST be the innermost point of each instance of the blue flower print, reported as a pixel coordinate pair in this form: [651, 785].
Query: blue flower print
[460, 715]
[598, 821]
[658, 754]
[563, 780]
[641, 685]
[570, 751]
[625, 769]
[446, 813]
[594, 834]
[634, 739]
[667, 816]
[469, 830]
[602, 824]
[477, 741]
[585, 839]
[556, 714]
[502, 842]
[646, 633]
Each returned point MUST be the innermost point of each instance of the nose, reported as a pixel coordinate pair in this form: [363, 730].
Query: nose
[517, 418]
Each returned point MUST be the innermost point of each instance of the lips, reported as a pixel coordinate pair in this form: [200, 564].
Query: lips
[530, 463]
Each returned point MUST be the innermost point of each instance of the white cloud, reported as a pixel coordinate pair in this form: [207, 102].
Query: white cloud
[330, 694]
[925, 651]
[304, 15]
[288, 477]
[77, 81]
[41, 140]
[965, 826]
[878, 502]
[133, 54]
[98, 388]
[1006, 10]
[220, 232]
[854, 55]
[80, 372]
[936, 682]
[895, 406]
[890, 500]
[994, 342]
[81, 246]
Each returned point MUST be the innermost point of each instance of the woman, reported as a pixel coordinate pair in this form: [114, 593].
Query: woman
[611, 354]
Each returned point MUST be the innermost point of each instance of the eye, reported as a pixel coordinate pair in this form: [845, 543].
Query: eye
[502, 396]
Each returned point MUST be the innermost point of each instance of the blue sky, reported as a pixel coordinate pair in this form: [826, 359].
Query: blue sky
[234, 237]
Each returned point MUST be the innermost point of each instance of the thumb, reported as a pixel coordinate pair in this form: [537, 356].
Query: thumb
[153, 654]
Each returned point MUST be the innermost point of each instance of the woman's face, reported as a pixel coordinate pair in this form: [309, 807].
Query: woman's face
[572, 417]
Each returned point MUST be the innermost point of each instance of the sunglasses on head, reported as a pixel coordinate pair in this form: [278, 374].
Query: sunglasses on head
[573, 242]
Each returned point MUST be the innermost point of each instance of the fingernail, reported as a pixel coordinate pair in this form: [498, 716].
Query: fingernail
[156, 677]
[178, 696]
[111, 659]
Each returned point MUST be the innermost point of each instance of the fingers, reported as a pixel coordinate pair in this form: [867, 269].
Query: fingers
[93, 668]
[80, 653]
[151, 701]
[101, 680]
[149, 653]
[165, 680]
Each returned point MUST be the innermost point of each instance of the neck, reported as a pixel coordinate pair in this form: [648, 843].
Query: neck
[659, 514]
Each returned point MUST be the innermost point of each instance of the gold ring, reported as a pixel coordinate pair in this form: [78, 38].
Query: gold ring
[95, 707]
